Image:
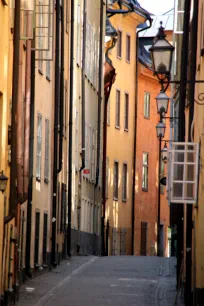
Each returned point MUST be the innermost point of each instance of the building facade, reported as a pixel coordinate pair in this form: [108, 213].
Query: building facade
[120, 135]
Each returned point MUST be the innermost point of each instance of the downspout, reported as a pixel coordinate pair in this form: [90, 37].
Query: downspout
[192, 76]
[135, 132]
[99, 93]
[181, 127]
[27, 113]
[83, 94]
[56, 122]
[70, 130]
[16, 53]
[61, 90]
[19, 129]
[31, 157]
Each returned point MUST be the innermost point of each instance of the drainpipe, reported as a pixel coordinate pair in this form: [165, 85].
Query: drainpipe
[83, 95]
[70, 130]
[100, 93]
[56, 122]
[189, 212]
[181, 127]
[61, 90]
[19, 128]
[16, 51]
[31, 157]
[135, 131]
[27, 113]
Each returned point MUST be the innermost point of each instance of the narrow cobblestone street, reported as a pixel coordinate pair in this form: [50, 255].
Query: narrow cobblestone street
[95, 281]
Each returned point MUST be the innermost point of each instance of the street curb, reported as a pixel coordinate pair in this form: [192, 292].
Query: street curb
[45, 299]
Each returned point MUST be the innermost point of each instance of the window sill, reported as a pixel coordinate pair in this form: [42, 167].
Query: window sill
[124, 200]
[38, 179]
[117, 127]
[145, 117]
[144, 189]
[40, 71]
[48, 78]
[127, 61]
[125, 130]
[46, 180]
[108, 124]
[115, 199]
[119, 57]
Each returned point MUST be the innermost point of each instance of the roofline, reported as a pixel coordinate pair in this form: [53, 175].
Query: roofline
[138, 9]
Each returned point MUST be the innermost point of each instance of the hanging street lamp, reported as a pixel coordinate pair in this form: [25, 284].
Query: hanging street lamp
[162, 102]
[161, 54]
[160, 128]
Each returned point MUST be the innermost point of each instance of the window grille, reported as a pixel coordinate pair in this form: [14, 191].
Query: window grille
[183, 173]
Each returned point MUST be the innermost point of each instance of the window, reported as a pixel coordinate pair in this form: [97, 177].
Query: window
[47, 133]
[45, 238]
[128, 48]
[126, 119]
[119, 42]
[145, 171]
[77, 140]
[107, 175]
[117, 111]
[37, 236]
[40, 25]
[48, 63]
[108, 112]
[115, 187]
[39, 146]
[124, 182]
[78, 55]
[146, 105]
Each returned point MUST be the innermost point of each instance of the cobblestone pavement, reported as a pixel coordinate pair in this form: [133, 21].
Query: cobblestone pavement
[117, 280]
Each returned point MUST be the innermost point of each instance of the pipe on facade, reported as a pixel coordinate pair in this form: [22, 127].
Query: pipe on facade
[31, 156]
[13, 172]
[181, 127]
[61, 90]
[27, 112]
[70, 130]
[56, 122]
[135, 130]
[189, 209]
[100, 92]
[19, 128]
[83, 95]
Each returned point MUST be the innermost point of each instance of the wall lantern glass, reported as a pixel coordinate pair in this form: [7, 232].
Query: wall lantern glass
[3, 182]
[164, 153]
[160, 128]
[161, 53]
[162, 102]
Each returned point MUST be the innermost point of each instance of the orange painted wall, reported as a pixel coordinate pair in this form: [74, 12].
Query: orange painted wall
[146, 202]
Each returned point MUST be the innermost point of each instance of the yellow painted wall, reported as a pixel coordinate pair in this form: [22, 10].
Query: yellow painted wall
[120, 142]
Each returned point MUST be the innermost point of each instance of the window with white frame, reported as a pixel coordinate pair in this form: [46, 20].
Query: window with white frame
[77, 140]
[47, 135]
[93, 155]
[39, 146]
[145, 171]
[178, 16]
[128, 48]
[108, 112]
[78, 55]
[107, 176]
[115, 180]
[126, 111]
[119, 44]
[48, 66]
[124, 183]
[147, 105]
[117, 109]
[183, 173]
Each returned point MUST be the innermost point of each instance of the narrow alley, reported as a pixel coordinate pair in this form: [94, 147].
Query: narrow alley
[100, 281]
